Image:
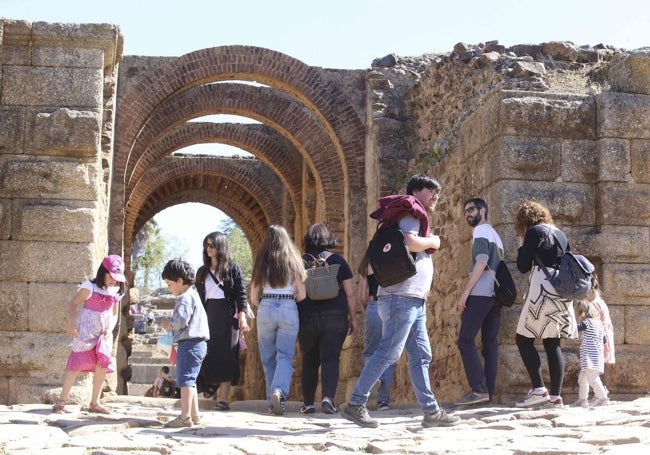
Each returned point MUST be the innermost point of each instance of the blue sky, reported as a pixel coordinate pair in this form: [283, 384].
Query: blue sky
[346, 34]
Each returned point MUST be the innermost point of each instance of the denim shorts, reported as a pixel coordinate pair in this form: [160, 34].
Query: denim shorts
[189, 356]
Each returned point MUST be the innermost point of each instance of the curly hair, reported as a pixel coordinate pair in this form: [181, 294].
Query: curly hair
[529, 214]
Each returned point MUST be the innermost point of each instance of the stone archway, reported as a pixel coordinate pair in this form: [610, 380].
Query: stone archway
[309, 147]
[326, 133]
[245, 186]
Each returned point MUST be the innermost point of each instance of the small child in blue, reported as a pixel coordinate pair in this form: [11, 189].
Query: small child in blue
[189, 324]
[592, 358]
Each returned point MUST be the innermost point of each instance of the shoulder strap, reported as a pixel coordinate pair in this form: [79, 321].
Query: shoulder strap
[215, 279]
[538, 261]
[501, 253]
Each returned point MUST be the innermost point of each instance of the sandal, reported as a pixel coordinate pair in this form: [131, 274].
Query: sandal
[179, 422]
[59, 407]
[222, 406]
[98, 408]
[209, 391]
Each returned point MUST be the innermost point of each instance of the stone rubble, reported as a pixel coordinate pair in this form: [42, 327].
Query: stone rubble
[137, 426]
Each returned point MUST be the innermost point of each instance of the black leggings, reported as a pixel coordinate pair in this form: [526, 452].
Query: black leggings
[533, 364]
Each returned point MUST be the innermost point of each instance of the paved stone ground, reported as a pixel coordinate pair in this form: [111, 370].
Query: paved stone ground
[136, 426]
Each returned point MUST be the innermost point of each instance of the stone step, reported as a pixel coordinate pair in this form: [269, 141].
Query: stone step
[145, 373]
[158, 360]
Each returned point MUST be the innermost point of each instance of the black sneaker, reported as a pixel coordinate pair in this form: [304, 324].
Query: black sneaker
[307, 409]
[327, 406]
[473, 398]
[278, 403]
[439, 419]
[359, 415]
[383, 406]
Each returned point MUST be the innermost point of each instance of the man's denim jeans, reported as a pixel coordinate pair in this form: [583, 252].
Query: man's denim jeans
[404, 326]
[371, 336]
[277, 329]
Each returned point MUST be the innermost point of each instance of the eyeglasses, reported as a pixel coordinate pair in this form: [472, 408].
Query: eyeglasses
[469, 210]
[210, 245]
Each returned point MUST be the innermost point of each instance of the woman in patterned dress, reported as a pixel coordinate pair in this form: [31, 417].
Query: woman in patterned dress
[545, 314]
[93, 330]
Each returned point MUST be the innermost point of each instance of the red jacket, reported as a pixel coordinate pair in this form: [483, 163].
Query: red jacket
[397, 206]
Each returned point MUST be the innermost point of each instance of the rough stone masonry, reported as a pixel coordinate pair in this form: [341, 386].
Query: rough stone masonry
[87, 155]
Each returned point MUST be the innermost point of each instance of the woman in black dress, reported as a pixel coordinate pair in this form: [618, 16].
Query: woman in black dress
[220, 285]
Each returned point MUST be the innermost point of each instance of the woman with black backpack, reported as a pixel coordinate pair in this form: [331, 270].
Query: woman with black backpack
[545, 314]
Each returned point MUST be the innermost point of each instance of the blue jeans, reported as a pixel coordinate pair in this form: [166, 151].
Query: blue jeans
[404, 326]
[189, 356]
[277, 329]
[484, 314]
[371, 336]
[321, 336]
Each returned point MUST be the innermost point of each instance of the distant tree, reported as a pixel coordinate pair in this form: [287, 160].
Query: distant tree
[239, 248]
[148, 254]
[227, 225]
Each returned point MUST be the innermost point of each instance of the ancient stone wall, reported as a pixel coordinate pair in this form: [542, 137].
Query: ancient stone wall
[566, 125]
[540, 122]
[57, 88]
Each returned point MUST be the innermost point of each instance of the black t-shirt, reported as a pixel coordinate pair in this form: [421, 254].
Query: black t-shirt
[340, 302]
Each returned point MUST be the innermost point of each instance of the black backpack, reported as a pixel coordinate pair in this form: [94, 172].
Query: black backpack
[389, 257]
[505, 291]
[573, 278]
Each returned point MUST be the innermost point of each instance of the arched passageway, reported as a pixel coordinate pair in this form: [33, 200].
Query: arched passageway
[309, 147]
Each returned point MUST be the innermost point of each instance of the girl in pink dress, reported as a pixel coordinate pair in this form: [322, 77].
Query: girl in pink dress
[93, 331]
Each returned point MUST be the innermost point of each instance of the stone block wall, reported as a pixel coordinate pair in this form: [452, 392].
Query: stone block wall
[565, 125]
[581, 152]
[56, 95]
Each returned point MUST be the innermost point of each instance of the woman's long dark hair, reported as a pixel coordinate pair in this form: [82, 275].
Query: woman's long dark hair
[224, 262]
[278, 261]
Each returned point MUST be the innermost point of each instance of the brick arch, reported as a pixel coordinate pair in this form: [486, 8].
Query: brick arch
[307, 85]
[304, 83]
[271, 107]
[262, 141]
[262, 188]
[251, 174]
[227, 194]
[254, 232]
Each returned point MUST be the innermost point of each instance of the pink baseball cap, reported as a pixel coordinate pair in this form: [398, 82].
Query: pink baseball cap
[115, 266]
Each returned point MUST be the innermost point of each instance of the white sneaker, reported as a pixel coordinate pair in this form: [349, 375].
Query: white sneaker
[534, 398]
[601, 402]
